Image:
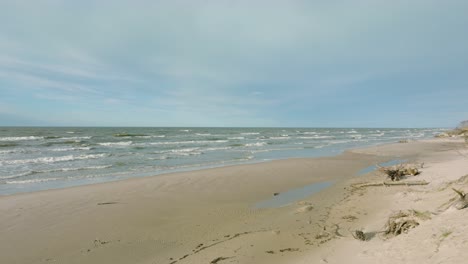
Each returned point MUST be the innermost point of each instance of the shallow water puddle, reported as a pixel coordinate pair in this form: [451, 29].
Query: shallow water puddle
[383, 164]
[293, 195]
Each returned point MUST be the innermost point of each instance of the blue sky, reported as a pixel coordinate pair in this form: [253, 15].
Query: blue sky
[360, 63]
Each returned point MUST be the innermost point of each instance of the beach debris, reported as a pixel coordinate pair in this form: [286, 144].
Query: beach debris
[359, 235]
[401, 183]
[276, 194]
[402, 221]
[107, 203]
[458, 201]
[403, 141]
[218, 259]
[288, 250]
[462, 202]
[396, 173]
[98, 242]
[283, 250]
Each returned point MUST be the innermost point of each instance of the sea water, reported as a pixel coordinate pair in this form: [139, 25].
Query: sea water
[44, 158]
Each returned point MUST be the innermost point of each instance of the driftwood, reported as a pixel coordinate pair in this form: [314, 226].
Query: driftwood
[402, 221]
[396, 173]
[407, 183]
[218, 259]
[463, 201]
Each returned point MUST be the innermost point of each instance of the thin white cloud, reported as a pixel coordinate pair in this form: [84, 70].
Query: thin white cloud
[40, 83]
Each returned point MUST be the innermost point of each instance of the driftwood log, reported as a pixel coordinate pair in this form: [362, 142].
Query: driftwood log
[407, 183]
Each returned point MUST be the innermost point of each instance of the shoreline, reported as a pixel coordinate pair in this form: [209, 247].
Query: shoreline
[105, 180]
[56, 159]
[165, 218]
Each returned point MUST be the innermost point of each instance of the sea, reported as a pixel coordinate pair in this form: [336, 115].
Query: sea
[34, 158]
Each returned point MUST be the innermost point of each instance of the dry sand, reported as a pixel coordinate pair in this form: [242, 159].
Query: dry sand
[208, 216]
[442, 234]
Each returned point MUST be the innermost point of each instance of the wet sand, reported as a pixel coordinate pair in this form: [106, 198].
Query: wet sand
[206, 216]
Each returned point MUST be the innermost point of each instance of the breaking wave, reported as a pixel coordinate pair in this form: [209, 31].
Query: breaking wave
[52, 159]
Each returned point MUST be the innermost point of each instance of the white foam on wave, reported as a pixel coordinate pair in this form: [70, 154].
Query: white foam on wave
[187, 142]
[75, 138]
[35, 150]
[32, 181]
[54, 170]
[111, 144]
[274, 149]
[256, 144]
[152, 136]
[195, 153]
[279, 138]
[52, 159]
[20, 138]
[339, 141]
[70, 149]
[316, 137]
[185, 152]
[203, 134]
[77, 169]
[309, 133]
[417, 135]
[215, 149]
[181, 152]
[14, 176]
[250, 133]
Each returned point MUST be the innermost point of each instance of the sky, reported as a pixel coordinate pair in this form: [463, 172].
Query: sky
[230, 63]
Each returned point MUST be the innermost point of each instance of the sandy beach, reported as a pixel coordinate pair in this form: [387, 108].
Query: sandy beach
[210, 216]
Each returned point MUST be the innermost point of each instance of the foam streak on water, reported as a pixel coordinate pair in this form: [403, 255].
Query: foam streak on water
[43, 158]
